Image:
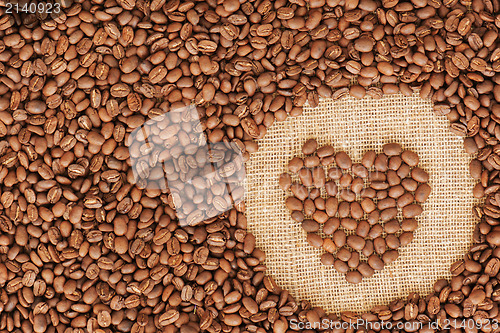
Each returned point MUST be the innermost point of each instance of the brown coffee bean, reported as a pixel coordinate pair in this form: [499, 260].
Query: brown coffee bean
[405, 238]
[314, 240]
[419, 175]
[306, 178]
[295, 165]
[311, 161]
[344, 254]
[309, 147]
[354, 277]
[392, 149]
[390, 256]
[310, 226]
[299, 191]
[375, 262]
[285, 181]
[378, 242]
[381, 163]
[293, 204]
[422, 193]
[343, 160]
[325, 151]
[39, 323]
[339, 238]
[356, 242]
[331, 225]
[327, 259]
[368, 159]
[392, 241]
[411, 211]
[341, 266]
[410, 158]
[409, 184]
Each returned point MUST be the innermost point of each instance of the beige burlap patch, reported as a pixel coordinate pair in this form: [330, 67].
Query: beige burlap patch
[445, 227]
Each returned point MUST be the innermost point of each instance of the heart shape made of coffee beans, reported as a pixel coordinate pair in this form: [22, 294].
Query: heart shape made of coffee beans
[360, 214]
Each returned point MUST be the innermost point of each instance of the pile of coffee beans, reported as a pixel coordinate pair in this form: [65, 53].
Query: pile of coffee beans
[356, 219]
[75, 84]
[170, 151]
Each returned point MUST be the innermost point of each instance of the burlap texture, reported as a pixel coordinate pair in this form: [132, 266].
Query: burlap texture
[445, 227]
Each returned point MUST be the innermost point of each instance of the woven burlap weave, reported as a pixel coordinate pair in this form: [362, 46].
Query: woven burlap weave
[445, 227]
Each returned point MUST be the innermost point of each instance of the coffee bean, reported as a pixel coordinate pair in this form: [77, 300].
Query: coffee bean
[422, 193]
[295, 165]
[368, 159]
[309, 147]
[343, 160]
[310, 226]
[354, 277]
[314, 240]
[325, 151]
[410, 158]
[375, 262]
[392, 149]
[356, 242]
[390, 256]
[341, 266]
[285, 181]
[411, 211]
[419, 175]
[327, 259]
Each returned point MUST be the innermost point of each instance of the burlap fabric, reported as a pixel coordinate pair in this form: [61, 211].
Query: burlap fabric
[445, 227]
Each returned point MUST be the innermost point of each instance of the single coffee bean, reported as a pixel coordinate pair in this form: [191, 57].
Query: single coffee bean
[390, 256]
[306, 177]
[339, 238]
[365, 270]
[331, 225]
[329, 246]
[325, 151]
[310, 226]
[314, 240]
[343, 160]
[327, 259]
[410, 158]
[406, 238]
[419, 175]
[295, 164]
[368, 159]
[309, 147]
[285, 181]
[392, 149]
[409, 225]
[299, 191]
[422, 193]
[411, 211]
[311, 161]
[344, 254]
[293, 204]
[375, 262]
[392, 241]
[341, 266]
[354, 277]
[356, 242]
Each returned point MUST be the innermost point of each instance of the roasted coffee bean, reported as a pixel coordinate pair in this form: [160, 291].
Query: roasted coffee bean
[309, 147]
